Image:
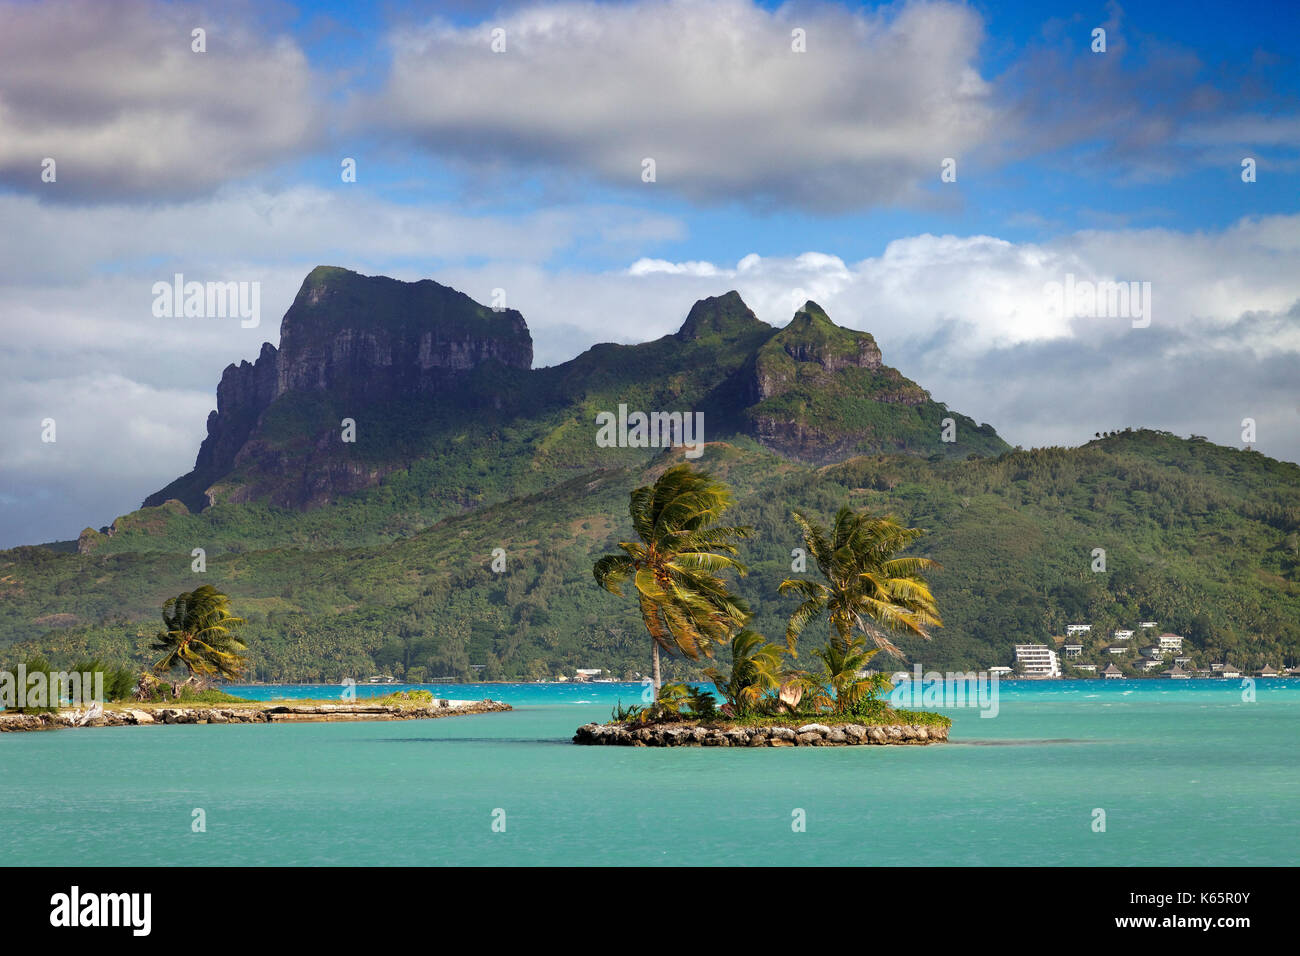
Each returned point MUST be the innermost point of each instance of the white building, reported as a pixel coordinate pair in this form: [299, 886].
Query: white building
[1170, 642]
[1037, 660]
[1072, 650]
[1090, 668]
[1117, 649]
[1112, 673]
[1078, 628]
[1000, 670]
[1122, 635]
[1155, 652]
[1145, 624]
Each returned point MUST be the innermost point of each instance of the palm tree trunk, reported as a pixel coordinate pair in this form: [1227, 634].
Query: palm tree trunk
[654, 657]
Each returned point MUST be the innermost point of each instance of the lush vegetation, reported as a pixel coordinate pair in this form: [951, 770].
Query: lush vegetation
[1202, 538]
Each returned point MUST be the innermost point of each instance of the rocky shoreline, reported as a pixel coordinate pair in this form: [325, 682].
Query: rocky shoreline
[277, 713]
[805, 735]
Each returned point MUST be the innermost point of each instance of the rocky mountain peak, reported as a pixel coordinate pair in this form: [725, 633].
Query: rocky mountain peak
[724, 315]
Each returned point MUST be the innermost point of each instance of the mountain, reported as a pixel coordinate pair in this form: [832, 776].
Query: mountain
[374, 555]
[429, 377]
[351, 342]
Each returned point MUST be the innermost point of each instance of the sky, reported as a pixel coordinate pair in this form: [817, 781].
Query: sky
[935, 173]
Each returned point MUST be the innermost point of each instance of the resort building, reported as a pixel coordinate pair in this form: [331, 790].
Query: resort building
[1155, 652]
[1146, 624]
[1177, 673]
[1000, 670]
[1112, 673]
[1077, 628]
[1122, 635]
[1268, 672]
[1073, 650]
[586, 673]
[1170, 642]
[1182, 660]
[1037, 660]
[1230, 672]
[1117, 649]
[1148, 664]
[1090, 668]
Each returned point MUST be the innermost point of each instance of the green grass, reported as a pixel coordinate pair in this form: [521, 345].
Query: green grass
[890, 718]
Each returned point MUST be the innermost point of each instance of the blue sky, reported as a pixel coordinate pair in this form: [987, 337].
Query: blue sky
[782, 174]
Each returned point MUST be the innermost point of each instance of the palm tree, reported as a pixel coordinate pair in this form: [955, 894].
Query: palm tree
[755, 671]
[842, 665]
[674, 566]
[200, 635]
[865, 586]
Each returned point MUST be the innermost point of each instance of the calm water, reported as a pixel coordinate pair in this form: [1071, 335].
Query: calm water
[1186, 771]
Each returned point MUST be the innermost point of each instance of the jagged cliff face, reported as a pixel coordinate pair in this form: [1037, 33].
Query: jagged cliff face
[818, 390]
[374, 338]
[419, 364]
[356, 340]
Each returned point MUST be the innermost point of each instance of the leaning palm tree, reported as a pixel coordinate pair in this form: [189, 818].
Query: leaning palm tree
[676, 563]
[865, 587]
[199, 635]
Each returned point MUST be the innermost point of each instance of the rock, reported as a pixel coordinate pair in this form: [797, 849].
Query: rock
[807, 735]
[820, 729]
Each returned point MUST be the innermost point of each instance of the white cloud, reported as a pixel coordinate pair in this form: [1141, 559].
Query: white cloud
[115, 95]
[709, 89]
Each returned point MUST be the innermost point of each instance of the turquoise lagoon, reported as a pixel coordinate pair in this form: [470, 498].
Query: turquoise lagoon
[1187, 772]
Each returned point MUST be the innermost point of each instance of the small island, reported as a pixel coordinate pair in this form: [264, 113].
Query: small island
[200, 641]
[402, 705]
[767, 701]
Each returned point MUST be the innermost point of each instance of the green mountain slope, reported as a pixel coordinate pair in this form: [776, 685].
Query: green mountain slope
[1201, 538]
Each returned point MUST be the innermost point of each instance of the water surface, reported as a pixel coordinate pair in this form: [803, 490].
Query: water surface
[1187, 773]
